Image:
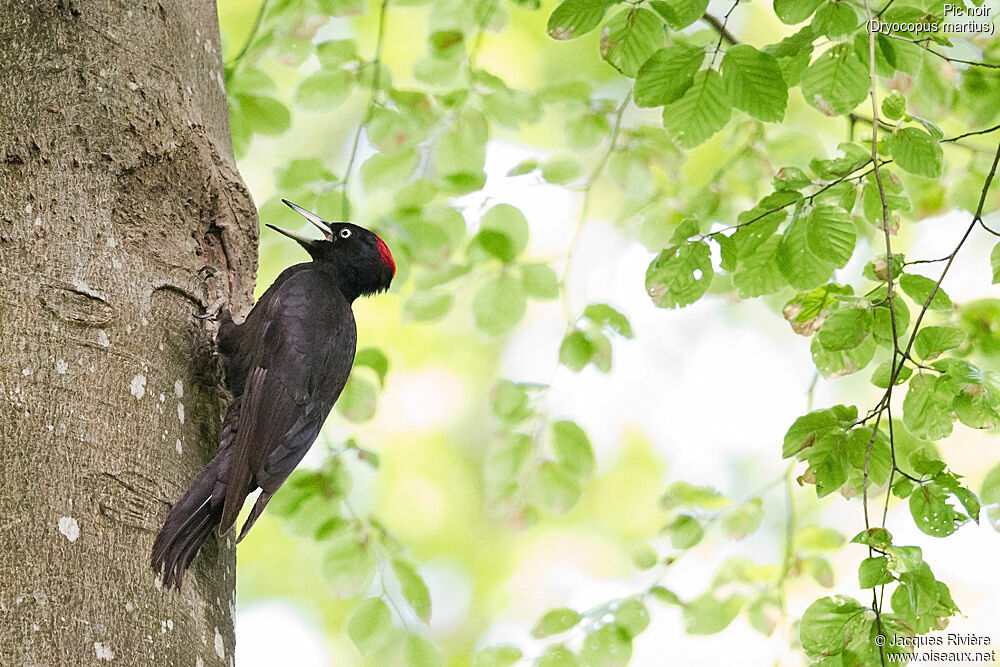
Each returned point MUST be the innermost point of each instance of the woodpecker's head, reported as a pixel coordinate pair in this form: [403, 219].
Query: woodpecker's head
[361, 260]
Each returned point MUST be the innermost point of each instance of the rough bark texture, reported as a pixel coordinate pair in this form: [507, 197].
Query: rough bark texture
[117, 184]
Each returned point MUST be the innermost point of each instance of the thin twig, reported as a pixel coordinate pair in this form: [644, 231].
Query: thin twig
[923, 45]
[720, 28]
[231, 65]
[890, 294]
[376, 62]
[587, 189]
[724, 34]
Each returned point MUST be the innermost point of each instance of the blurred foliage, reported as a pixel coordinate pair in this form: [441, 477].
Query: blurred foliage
[709, 148]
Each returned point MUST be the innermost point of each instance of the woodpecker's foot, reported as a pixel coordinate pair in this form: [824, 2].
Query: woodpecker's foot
[215, 306]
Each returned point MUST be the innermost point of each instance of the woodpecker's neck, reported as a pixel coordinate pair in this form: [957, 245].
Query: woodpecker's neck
[352, 281]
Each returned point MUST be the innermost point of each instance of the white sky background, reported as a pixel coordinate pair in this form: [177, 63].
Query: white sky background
[714, 385]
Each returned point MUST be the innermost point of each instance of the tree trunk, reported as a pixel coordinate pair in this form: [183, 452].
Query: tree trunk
[117, 184]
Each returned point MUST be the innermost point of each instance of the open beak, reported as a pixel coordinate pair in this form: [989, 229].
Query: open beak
[304, 241]
[311, 217]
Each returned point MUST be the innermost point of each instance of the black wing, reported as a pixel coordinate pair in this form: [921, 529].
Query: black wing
[300, 358]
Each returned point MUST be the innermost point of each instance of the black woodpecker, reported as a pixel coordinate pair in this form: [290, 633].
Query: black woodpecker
[286, 366]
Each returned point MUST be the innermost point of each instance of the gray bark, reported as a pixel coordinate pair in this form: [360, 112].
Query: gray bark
[117, 184]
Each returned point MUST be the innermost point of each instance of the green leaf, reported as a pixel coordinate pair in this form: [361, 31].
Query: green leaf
[421, 653]
[793, 54]
[680, 13]
[413, 588]
[836, 82]
[894, 105]
[461, 153]
[359, 399]
[685, 532]
[759, 273]
[927, 407]
[683, 494]
[604, 315]
[830, 235]
[510, 222]
[495, 244]
[707, 615]
[835, 19]
[680, 275]
[743, 520]
[523, 167]
[607, 646]
[265, 115]
[335, 53]
[575, 351]
[499, 305]
[874, 537]
[370, 627]
[846, 328]
[823, 630]
[701, 111]
[427, 306]
[754, 83]
[498, 656]
[349, 566]
[687, 228]
[917, 152]
[374, 359]
[384, 171]
[644, 557]
[807, 428]
[512, 108]
[932, 341]
[558, 489]
[572, 448]
[989, 495]
[665, 596]
[931, 511]
[557, 655]
[800, 266]
[874, 572]
[629, 38]
[632, 617]
[919, 288]
[575, 18]
[324, 90]
[302, 172]
[510, 401]
[883, 374]
[795, 11]
[586, 131]
[995, 263]
[555, 621]
[666, 74]
[539, 281]
[560, 170]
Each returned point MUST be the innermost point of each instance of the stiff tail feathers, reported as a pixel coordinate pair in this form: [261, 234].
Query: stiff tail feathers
[186, 528]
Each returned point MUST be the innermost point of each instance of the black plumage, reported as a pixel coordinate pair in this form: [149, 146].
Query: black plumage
[286, 366]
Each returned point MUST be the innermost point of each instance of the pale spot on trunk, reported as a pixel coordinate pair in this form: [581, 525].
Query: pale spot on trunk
[178, 446]
[103, 652]
[61, 366]
[138, 386]
[69, 527]
[220, 647]
[179, 388]
[102, 338]
[180, 412]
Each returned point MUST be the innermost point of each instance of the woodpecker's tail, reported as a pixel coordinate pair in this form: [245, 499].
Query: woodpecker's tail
[188, 524]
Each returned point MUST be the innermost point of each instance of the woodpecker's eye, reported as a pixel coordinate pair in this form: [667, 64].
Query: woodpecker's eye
[345, 233]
